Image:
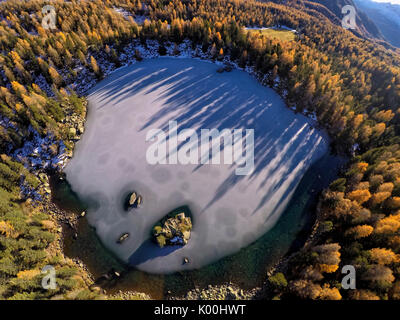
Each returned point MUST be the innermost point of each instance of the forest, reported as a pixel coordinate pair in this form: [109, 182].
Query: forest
[351, 85]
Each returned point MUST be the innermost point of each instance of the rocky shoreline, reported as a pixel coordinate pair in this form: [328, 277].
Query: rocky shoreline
[47, 156]
[221, 292]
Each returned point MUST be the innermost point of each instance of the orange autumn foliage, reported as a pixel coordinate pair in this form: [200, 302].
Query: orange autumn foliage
[328, 293]
[360, 231]
[28, 274]
[394, 203]
[383, 256]
[362, 166]
[360, 196]
[379, 197]
[387, 225]
[328, 268]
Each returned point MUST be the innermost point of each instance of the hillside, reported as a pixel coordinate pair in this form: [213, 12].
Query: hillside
[366, 26]
[349, 86]
[386, 16]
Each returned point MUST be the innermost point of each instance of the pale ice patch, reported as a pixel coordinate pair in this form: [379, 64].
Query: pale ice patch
[229, 211]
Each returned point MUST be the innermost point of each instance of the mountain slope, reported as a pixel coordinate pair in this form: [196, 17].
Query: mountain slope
[365, 26]
[386, 16]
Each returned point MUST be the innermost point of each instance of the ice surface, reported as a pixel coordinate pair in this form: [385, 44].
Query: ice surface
[229, 211]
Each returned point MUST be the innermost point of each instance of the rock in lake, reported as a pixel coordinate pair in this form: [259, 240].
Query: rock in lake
[174, 229]
[139, 201]
[228, 68]
[123, 237]
[132, 199]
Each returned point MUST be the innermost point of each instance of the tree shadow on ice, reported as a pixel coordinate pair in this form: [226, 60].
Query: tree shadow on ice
[196, 99]
[148, 251]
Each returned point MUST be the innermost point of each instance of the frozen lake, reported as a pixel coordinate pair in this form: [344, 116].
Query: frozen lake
[229, 211]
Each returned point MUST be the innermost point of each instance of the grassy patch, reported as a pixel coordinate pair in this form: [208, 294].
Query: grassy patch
[283, 35]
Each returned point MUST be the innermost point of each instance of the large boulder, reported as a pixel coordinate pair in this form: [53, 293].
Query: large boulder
[123, 237]
[174, 229]
[133, 200]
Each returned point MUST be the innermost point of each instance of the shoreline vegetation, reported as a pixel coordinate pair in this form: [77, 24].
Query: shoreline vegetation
[357, 218]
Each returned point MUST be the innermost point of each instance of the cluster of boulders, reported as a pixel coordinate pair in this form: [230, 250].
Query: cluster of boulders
[134, 200]
[129, 295]
[220, 292]
[174, 229]
[77, 126]
[44, 179]
[225, 68]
